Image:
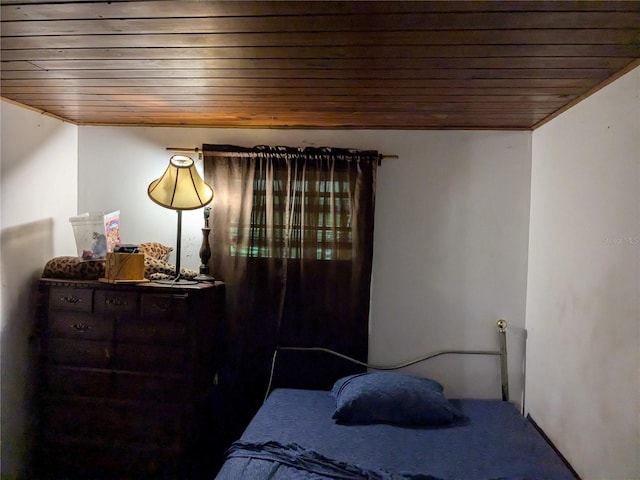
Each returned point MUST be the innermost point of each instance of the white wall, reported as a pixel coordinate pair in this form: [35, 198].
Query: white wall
[450, 238]
[38, 194]
[583, 302]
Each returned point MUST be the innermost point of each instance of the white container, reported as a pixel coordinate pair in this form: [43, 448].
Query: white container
[96, 234]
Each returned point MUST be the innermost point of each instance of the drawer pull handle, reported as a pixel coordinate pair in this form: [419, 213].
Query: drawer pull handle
[163, 307]
[71, 299]
[115, 302]
[81, 327]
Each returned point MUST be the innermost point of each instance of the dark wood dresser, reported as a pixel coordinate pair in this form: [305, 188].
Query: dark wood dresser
[127, 376]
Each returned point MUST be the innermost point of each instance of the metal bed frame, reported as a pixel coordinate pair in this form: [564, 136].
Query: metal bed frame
[502, 353]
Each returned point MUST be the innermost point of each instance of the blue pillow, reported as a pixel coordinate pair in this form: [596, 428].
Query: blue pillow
[394, 398]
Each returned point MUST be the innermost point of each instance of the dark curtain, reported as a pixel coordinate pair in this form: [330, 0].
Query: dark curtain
[292, 237]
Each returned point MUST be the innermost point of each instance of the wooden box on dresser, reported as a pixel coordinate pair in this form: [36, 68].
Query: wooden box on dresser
[126, 379]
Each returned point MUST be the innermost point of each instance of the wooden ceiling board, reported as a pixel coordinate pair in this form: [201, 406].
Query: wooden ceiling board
[282, 64]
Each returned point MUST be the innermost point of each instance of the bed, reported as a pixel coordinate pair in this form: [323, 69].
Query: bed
[388, 425]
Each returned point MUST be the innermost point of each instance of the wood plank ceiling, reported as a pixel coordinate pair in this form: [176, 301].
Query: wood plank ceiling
[295, 64]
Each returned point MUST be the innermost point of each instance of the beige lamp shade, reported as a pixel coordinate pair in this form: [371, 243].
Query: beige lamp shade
[180, 187]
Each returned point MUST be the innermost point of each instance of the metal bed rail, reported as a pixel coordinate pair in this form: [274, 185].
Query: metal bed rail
[502, 353]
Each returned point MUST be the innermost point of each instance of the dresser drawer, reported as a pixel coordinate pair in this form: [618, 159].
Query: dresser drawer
[80, 381]
[81, 326]
[80, 460]
[71, 298]
[99, 383]
[151, 331]
[165, 388]
[114, 302]
[113, 422]
[150, 358]
[82, 353]
[158, 307]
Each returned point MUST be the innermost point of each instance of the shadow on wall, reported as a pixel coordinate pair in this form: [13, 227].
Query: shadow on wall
[25, 249]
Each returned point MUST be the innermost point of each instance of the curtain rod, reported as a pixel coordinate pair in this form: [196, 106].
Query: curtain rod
[198, 151]
[185, 149]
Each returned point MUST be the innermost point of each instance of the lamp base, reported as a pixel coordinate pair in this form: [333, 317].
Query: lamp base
[203, 277]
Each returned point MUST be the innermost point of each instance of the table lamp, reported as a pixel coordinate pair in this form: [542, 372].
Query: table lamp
[180, 188]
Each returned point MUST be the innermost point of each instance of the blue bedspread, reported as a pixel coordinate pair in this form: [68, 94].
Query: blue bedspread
[294, 436]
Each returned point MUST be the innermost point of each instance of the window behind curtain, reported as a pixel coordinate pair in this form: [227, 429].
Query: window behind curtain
[321, 228]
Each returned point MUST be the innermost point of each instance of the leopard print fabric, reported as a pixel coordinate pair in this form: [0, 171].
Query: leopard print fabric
[155, 250]
[156, 257]
[73, 268]
[158, 270]
[156, 266]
